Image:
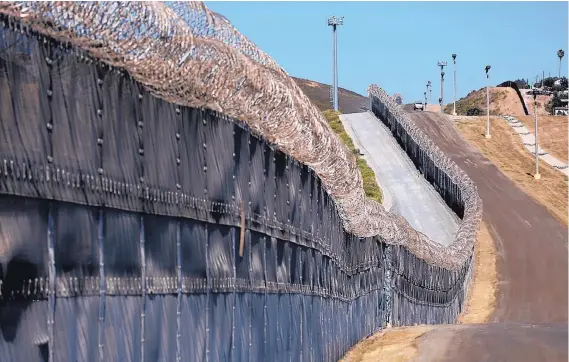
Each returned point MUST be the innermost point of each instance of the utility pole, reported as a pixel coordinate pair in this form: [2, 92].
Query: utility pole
[487, 103]
[454, 102]
[442, 65]
[560, 54]
[334, 22]
[537, 176]
[430, 89]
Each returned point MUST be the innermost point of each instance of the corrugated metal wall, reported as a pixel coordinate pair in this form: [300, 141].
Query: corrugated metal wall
[121, 219]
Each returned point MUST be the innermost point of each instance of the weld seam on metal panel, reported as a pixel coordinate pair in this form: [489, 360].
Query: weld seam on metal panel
[265, 316]
[299, 270]
[52, 277]
[102, 285]
[208, 295]
[142, 248]
[179, 290]
[233, 291]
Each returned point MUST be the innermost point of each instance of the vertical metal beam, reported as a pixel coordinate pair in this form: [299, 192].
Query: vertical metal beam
[334, 67]
[336, 106]
[142, 245]
[454, 101]
[179, 290]
[441, 100]
[487, 103]
[102, 285]
[51, 285]
[537, 176]
[334, 22]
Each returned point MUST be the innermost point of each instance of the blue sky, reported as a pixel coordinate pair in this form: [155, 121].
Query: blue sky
[397, 44]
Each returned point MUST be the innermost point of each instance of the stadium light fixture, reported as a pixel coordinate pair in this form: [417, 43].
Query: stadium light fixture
[442, 64]
[454, 101]
[487, 69]
[334, 22]
[536, 175]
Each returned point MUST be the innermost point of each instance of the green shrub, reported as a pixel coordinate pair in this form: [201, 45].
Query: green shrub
[371, 188]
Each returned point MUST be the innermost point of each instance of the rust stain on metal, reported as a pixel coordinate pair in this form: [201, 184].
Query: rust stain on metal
[242, 235]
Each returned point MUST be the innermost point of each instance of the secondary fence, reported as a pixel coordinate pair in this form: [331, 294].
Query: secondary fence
[423, 292]
[139, 225]
[514, 86]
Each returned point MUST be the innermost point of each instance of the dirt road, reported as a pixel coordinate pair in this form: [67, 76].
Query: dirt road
[531, 312]
[532, 244]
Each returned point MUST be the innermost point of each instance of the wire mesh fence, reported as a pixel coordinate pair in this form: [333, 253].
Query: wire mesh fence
[137, 225]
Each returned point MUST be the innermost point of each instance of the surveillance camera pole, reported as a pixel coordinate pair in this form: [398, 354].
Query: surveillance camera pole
[537, 176]
[454, 101]
[334, 22]
[487, 68]
[430, 89]
[442, 65]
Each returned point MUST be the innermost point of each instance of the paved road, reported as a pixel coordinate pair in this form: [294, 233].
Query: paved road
[531, 311]
[413, 198]
[499, 342]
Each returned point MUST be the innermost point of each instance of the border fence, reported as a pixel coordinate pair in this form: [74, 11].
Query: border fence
[137, 228]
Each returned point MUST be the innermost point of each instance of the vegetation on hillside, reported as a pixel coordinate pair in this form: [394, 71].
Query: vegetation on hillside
[473, 104]
[371, 187]
[554, 103]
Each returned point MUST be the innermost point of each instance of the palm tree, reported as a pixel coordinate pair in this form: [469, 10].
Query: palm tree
[560, 54]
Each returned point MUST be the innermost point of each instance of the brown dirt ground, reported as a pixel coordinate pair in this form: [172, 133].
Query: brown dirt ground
[552, 133]
[540, 103]
[506, 151]
[393, 345]
[319, 94]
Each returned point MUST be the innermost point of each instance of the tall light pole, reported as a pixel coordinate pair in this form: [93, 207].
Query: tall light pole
[487, 103]
[560, 54]
[334, 22]
[430, 89]
[454, 101]
[537, 176]
[442, 65]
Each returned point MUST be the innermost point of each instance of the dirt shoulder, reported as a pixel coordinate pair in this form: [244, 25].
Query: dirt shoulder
[506, 151]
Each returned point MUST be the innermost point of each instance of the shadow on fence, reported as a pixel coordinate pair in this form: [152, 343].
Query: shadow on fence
[133, 229]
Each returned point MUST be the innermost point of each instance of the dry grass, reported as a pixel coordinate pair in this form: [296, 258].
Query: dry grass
[393, 345]
[503, 101]
[371, 188]
[483, 287]
[507, 152]
[552, 133]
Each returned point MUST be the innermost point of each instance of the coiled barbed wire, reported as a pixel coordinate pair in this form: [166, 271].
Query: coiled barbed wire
[186, 54]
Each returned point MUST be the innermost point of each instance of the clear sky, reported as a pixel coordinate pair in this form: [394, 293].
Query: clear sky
[397, 44]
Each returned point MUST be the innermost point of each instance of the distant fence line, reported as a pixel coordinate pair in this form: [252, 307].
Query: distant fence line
[175, 232]
[460, 194]
[514, 86]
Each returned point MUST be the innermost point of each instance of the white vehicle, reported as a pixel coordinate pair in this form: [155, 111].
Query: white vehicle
[418, 105]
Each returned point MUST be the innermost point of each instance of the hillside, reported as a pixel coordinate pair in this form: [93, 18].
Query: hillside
[319, 94]
[503, 101]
